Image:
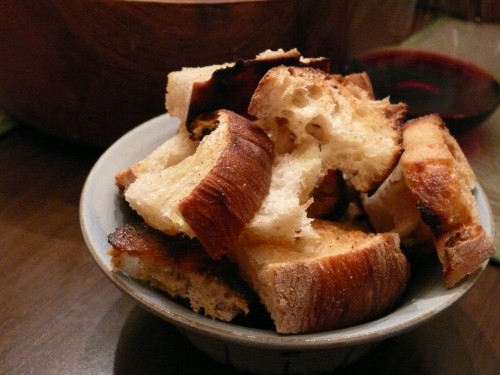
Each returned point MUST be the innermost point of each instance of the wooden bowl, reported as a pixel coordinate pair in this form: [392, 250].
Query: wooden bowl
[89, 70]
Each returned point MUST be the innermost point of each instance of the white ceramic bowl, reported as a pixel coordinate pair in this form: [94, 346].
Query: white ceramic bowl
[250, 349]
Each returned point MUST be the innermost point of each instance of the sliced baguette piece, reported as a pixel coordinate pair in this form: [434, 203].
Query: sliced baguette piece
[213, 193]
[180, 267]
[358, 135]
[441, 181]
[342, 278]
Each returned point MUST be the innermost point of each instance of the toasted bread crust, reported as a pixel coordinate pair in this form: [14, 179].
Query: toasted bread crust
[343, 278]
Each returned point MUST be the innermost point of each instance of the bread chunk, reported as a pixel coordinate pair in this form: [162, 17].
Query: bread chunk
[428, 200]
[180, 87]
[441, 181]
[358, 135]
[213, 193]
[343, 277]
[181, 268]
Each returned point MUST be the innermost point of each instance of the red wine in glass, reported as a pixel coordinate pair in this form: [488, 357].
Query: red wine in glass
[462, 93]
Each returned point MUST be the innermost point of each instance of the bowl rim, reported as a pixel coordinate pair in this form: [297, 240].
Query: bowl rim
[96, 223]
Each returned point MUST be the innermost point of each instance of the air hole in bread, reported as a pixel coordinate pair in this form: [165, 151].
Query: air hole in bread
[304, 96]
[300, 99]
[317, 131]
[357, 157]
[315, 92]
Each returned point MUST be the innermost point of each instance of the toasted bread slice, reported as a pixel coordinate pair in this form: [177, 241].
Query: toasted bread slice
[428, 200]
[305, 149]
[462, 250]
[441, 181]
[343, 277]
[213, 193]
[180, 267]
[438, 174]
[358, 135]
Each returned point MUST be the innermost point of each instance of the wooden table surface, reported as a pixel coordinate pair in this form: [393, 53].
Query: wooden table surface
[59, 314]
